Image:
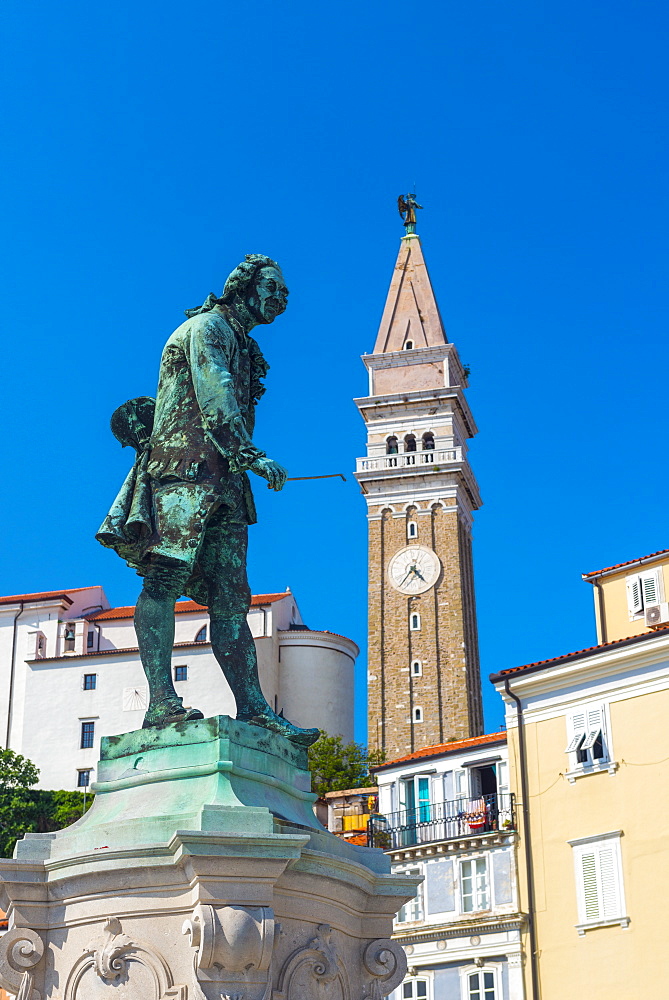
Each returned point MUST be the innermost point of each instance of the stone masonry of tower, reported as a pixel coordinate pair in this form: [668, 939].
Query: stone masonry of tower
[424, 683]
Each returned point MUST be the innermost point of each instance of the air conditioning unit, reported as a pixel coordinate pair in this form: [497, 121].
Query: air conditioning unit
[657, 615]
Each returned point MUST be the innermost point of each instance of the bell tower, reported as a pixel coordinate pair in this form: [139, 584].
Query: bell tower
[424, 683]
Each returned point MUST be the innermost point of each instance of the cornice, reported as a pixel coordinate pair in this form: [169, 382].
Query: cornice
[416, 399]
[416, 356]
[513, 922]
[456, 846]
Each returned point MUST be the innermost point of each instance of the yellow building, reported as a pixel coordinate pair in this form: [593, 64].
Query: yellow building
[589, 763]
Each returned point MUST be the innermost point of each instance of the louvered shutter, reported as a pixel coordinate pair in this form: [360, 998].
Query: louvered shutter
[593, 729]
[599, 876]
[589, 886]
[576, 725]
[650, 588]
[634, 596]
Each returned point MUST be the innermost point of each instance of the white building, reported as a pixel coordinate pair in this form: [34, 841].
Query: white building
[70, 673]
[445, 813]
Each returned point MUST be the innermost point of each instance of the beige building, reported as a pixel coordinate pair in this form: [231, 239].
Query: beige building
[589, 763]
[424, 686]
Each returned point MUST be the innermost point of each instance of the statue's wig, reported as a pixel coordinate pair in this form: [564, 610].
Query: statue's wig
[245, 274]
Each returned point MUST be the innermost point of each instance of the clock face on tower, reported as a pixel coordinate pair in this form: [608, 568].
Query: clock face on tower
[414, 569]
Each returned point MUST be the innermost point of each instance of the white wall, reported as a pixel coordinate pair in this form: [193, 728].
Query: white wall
[49, 702]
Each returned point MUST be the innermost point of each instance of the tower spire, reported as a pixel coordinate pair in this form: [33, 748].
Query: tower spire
[424, 685]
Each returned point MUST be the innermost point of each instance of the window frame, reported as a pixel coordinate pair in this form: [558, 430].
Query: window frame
[604, 849]
[419, 671]
[581, 721]
[417, 902]
[417, 715]
[469, 970]
[419, 977]
[414, 615]
[92, 687]
[487, 884]
[180, 666]
[84, 770]
[82, 732]
[205, 629]
[638, 585]
[412, 529]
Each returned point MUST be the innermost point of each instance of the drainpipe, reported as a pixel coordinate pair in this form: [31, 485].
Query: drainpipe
[11, 674]
[527, 842]
[603, 637]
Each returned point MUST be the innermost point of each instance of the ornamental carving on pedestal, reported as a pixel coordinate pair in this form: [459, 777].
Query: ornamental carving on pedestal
[115, 959]
[386, 962]
[21, 950]
[233, 955]
[318, 962]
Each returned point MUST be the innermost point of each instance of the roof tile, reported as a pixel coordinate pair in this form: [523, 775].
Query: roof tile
[441, 748]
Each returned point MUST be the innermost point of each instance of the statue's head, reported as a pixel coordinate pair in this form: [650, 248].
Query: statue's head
[258, 283]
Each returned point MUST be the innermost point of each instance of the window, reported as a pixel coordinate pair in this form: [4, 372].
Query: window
[84, 778]
[644, 590]
[414, 621]
[391, 446]
[408, 345]
[90, 682]
[416, 668]
[69, 638]
[413, 910]
[474, 885]
[181, 673]
[410, 442]
[87, 735]
[599, 887]
[418, 714]
[90, 639]
[586, 737]
[428, 441]
[40, 646]
[414, 989]
[481, 986]
[412, 530]
[200, 637]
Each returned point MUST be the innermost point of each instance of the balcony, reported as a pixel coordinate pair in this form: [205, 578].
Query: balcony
[430, 822]
[407, 459]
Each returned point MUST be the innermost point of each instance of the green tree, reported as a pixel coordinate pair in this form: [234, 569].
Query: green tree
[336, 765]
[24, 809]
[17, 776]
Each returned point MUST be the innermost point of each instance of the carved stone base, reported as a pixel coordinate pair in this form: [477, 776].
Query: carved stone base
[200, 873]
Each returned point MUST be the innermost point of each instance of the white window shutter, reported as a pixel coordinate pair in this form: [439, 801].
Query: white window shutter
[594, 728]
[591, 909]
[634, 595]
[650, 588]
[609, 884]
[576, 724]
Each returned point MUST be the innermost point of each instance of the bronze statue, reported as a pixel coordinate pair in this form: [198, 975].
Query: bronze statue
[181, 518]
[407, 205]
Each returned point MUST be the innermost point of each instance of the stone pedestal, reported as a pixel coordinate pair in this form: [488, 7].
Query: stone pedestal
[200, 873]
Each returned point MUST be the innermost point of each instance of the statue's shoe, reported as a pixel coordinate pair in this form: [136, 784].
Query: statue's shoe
[277, 724]
[168, 714]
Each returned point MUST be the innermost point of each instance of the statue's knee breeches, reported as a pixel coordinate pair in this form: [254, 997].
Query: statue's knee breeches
[165, 579]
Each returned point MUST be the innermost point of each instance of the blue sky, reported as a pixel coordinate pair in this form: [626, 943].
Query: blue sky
[148, 146]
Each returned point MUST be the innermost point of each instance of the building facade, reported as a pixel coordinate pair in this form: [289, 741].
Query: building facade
[446, 814]
[424, 685]
[589, 758]
[70, 673]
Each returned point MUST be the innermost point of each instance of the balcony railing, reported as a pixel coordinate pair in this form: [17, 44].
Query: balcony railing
[430, 822]
[409, 458]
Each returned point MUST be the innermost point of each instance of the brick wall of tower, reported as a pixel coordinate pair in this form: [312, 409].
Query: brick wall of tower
[448, 690]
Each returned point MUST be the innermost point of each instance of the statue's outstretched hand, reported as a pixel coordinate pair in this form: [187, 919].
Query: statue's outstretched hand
[274, 473]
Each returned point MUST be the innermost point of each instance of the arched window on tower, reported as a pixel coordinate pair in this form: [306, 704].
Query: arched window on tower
[391, 445]
[202, 634]
[410, 448]
[416, 668]
[412, 529]
[408, 345]
[414, 621]
[428, 447]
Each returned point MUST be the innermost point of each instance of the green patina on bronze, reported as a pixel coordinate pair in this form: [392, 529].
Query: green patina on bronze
[182, 514]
